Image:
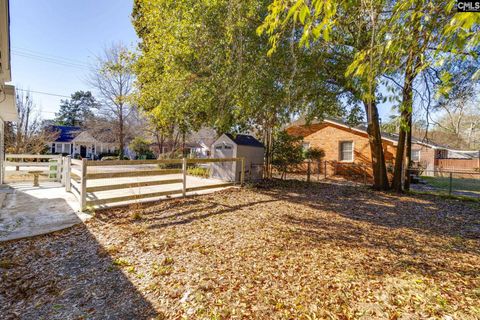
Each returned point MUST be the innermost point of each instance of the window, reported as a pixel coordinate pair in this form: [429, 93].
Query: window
[346, 151]
[218, 147]
[58, 147]
[228, 147]
[415, 155]
[53, 147]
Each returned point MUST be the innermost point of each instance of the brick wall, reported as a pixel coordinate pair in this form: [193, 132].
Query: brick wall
[327, 137]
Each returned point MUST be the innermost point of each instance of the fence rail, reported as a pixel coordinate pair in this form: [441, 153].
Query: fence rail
[99, 183]
[31, 162]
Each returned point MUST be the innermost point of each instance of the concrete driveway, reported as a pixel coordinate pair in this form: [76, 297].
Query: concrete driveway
[27, 211]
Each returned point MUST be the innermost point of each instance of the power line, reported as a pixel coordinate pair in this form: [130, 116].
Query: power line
[46, 55]
[57, 62]
[45, 93]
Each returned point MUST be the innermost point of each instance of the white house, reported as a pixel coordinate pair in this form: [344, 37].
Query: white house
[77, 142]
[8, 110]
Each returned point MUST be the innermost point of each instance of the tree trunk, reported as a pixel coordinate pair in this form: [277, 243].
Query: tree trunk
[397, 176]
[408, 153]
[121, 137]
[184, 153]
[405, 134]
[380, 177]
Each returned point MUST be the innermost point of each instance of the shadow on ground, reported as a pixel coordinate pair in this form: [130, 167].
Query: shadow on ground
[421, 213]
[66, 275]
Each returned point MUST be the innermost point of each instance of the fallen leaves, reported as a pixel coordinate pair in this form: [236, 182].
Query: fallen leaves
[283, 251]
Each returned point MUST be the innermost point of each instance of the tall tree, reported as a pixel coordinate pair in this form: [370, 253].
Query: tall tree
[202, 63]
[113, 78]
[405, 36]
[75, 111]
[416, 39]
[342, 30]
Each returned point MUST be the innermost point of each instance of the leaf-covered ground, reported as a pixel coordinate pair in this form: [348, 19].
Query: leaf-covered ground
[284, 251]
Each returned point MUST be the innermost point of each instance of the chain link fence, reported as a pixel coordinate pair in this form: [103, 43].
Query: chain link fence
[322, 170]
[464, 183]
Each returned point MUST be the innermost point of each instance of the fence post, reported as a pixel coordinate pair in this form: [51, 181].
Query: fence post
[59, 168]
[242, 172]
[325, 170]
[83, 186]
[68, 165]
[450, 184]
[184, 177]
[309, 162]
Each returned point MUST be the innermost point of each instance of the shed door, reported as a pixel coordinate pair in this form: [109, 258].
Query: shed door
[223, 170]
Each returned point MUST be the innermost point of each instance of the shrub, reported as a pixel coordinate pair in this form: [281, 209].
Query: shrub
[287, 152]
[199, 172]
[141, 147]
[315, 154]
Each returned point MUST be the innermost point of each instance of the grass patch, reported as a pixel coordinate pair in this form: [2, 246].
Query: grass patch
[199, 172]
[458, 184]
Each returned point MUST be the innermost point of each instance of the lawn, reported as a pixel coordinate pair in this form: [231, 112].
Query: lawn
[283, 251]
[464, 184]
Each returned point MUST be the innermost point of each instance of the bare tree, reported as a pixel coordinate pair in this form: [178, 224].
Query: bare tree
[28, 134]
[113, 78]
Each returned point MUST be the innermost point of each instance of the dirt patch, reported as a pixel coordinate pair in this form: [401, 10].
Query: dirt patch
[283, 251]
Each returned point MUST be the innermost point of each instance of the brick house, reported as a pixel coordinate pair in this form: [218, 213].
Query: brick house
[347, 148]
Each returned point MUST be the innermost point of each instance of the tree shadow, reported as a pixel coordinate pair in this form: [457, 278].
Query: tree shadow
[422, 213]
[423, 234]
[66, 275]
[164, 214]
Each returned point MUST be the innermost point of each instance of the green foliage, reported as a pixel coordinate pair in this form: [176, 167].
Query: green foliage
[75, 111]
[202, 62]
[287, 151]
[199, 172]
[314, 154]
[141, 147]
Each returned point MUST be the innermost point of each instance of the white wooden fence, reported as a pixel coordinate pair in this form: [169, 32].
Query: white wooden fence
[23, 163]
[100, 183]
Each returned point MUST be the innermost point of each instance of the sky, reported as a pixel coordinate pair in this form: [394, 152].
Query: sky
[53, 43]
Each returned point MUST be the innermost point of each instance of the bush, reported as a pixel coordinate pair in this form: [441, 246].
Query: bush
[142, 148]
[315, 154]
[287, 152]
[199, 172]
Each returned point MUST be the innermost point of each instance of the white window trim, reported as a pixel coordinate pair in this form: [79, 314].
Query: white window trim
[419, 155]
[340, 151]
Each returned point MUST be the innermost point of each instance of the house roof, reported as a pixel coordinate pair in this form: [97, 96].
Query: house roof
[245, 140]
[66, 133]
[363, 129]
[460, 154]
[203, 137]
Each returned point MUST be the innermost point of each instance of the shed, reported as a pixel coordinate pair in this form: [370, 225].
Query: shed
[237, 146]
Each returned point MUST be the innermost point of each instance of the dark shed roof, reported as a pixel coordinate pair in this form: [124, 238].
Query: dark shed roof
[245, 140]
[65, 133]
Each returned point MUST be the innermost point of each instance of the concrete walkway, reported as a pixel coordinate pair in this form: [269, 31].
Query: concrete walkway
[27, 211]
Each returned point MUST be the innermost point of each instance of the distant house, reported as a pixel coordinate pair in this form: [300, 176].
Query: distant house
[197, 144]
[344, 144]
[8, 110]
[77, 142]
